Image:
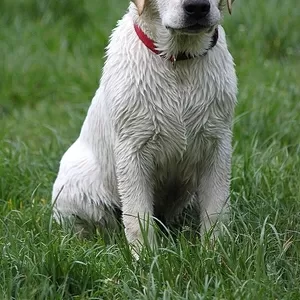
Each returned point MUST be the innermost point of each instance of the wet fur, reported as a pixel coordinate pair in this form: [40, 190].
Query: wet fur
[156, 137]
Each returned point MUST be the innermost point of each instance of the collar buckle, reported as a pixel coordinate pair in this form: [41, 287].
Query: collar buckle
[173, 60]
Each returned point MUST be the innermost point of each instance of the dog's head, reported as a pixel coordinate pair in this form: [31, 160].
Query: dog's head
[186, 16]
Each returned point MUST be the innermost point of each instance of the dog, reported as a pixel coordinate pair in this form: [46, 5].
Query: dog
[157, 136]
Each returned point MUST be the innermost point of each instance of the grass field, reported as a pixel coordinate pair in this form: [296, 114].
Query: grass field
[50, 63]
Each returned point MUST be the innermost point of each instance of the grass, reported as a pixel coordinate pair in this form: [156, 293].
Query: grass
[51, 57]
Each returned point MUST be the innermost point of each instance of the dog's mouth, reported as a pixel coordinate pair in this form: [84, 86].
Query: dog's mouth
[193, 29]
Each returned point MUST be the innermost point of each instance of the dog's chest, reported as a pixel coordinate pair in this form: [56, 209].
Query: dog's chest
[186, 111]
[171, 112]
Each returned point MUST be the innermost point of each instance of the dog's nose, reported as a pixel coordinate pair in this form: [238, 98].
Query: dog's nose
[196, 8]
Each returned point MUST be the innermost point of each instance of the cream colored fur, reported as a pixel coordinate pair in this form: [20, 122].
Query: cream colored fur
[156, 137]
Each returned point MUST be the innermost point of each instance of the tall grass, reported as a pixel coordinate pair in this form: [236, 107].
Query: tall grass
[51, 54]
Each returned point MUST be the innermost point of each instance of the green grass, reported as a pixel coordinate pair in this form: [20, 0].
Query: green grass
[51, 57]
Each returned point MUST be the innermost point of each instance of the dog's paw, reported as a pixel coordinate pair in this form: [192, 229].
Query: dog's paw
[136, 249]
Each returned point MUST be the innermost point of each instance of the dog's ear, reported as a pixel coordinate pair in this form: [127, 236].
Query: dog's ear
[229, 5]
[140, 4]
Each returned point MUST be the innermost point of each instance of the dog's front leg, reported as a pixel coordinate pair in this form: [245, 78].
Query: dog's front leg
[214, 186]
[134, 170]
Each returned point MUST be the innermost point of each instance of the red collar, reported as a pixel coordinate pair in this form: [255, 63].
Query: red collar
[149, 43]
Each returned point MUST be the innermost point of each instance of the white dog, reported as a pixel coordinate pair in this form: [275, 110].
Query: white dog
[157, 135]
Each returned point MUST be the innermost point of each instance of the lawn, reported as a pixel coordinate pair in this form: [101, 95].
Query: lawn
[51, 55]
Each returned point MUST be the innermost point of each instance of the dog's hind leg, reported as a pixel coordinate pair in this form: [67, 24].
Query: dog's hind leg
[79, 197]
